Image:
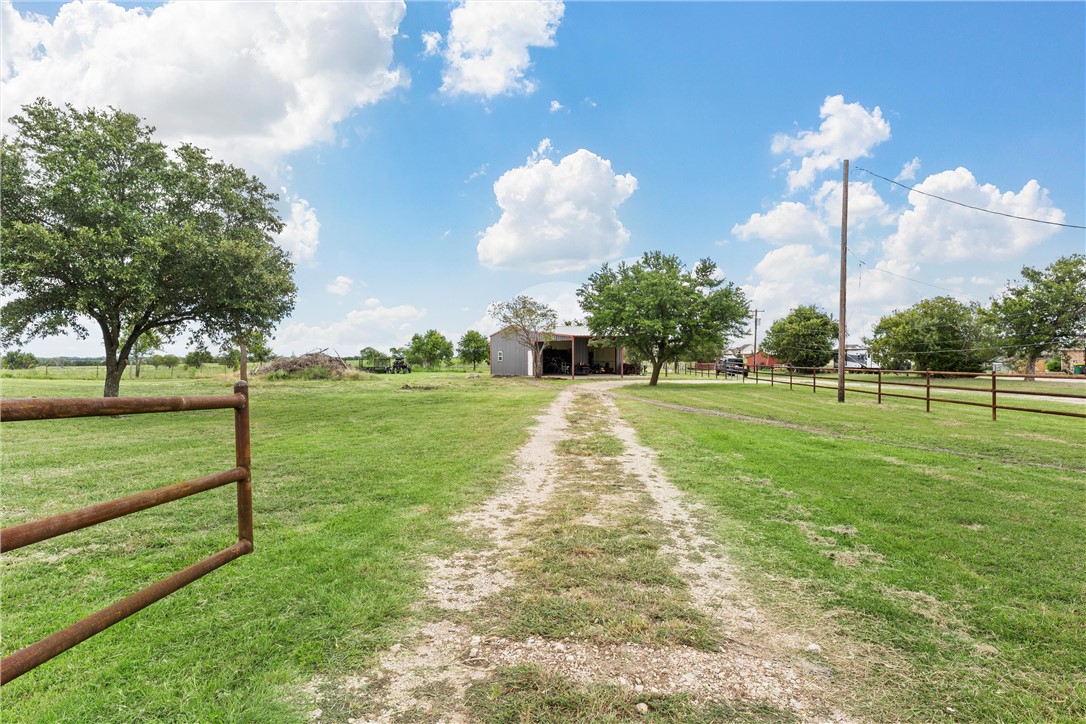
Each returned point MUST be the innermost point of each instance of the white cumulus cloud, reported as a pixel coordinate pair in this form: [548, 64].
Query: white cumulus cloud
[798, 274]
[557, 217]
[375, 326]
[301, 235]
[556, 106]
[487, 46]
[790, 222]
[340, 286]
[848, 131]
[936, 231]
[908, 171]
[559, 296]
[250, 81]
[790, 276]
[431, 42]
[864, 204]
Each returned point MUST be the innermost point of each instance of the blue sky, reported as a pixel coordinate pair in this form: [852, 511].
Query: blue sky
[435, 157]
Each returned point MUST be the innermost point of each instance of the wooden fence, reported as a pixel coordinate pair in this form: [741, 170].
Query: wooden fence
[917, 385]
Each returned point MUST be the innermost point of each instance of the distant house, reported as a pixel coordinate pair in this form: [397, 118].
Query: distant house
[569, 353]
[1073, 357]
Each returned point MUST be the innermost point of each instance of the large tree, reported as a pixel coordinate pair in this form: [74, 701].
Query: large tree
[102, 222]
[531, 323]
[429, 348]
[940, 333]
[805, 337]
[1045, 312]
[473, 347]
[661, 310]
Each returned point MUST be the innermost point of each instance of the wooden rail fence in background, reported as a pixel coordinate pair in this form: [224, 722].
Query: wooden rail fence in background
[873, 382]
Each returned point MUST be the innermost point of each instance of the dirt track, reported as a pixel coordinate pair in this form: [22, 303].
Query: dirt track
[461, 638]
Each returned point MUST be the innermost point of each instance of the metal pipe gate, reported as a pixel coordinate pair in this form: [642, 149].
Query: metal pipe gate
[17, 536]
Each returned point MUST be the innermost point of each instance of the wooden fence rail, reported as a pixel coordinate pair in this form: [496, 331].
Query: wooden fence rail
[882, 379]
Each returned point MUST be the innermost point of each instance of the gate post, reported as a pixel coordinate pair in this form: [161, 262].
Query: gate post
[243, 455]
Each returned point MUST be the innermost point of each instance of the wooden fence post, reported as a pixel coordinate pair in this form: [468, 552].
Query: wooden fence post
[993, 394]
[880, 387]
[927, 391]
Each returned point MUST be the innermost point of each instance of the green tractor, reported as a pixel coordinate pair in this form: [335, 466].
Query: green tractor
[384, 365]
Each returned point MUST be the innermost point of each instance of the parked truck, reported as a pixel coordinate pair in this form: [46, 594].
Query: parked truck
[731, 366]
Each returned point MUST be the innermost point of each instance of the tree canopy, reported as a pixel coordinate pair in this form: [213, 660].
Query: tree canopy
[1045, 312]
[101, 221]
[940, 333]
[661, 310]
[530, 322]
[805, 337]
[16, 359]
[473, 347]
[198, 357]
[429, 348]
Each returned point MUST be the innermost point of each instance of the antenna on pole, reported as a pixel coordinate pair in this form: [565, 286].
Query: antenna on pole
[841, 357]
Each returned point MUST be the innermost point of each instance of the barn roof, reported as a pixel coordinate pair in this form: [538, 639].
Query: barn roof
[561, 332]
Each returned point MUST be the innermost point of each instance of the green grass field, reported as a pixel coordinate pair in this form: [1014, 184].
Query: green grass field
[149, 372]
[954, 546]
[353, 485]
[945, 552]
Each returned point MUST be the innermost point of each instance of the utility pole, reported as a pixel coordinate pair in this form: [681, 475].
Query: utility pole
[841, 357]
[756, 311]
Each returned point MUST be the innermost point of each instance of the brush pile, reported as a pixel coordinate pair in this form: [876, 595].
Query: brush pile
[306, 365]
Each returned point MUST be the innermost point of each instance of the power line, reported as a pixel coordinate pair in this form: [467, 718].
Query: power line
[915, 281]
[975, 208]
[864, 263]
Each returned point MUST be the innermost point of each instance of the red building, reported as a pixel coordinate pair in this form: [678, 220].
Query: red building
[763, 360]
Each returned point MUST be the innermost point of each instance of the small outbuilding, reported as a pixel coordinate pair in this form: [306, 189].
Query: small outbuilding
[570, 352]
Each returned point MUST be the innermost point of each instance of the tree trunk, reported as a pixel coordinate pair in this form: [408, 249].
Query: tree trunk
[1031, 364]
[655, 372]
[243, 358]
[114, 371]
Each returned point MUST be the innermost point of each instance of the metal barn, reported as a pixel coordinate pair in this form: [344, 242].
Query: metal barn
[569, 353]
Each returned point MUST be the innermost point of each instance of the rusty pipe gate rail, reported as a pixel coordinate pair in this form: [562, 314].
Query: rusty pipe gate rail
[17, 536]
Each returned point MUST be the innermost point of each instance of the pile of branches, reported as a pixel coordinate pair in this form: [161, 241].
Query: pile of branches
[308, 361]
